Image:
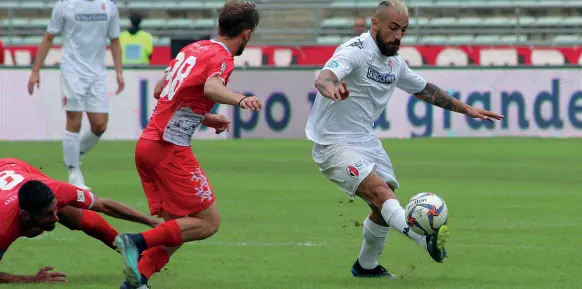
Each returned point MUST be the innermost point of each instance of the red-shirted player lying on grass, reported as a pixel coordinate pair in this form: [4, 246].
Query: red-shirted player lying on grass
[31, 203]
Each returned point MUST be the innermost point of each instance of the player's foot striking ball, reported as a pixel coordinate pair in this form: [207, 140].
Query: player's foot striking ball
[174, 183]
[354, 88]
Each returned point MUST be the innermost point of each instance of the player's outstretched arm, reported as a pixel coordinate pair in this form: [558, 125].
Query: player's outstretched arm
[43, 276]
[438, 97]
[329, 86]
[215, 90]
[121, 211]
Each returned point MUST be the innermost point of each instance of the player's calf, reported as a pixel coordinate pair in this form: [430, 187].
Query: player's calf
[379, 194]
[173, 233]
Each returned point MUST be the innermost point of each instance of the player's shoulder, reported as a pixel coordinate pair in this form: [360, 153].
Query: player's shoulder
[359, 46]
[207, 49]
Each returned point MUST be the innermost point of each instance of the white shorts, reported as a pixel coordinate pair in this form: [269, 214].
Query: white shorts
[347, 165]
[84, 94]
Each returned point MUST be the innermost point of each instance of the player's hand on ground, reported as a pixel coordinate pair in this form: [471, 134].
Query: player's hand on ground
[483, 114]
[217, 121]
[120, 83]
[339, 92]
[45, 276]
[32, 81]
[251, 102]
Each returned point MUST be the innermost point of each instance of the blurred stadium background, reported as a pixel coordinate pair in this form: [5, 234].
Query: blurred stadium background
[518, 57]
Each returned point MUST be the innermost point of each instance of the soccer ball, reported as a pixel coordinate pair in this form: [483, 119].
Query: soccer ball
[426, 213]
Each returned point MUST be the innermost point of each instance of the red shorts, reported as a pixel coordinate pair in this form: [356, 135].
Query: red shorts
[172, 179]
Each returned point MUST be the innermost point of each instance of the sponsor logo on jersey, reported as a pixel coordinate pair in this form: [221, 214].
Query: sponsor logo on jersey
[91, 17]
[386, 78]
[352, 171]
[223, 67]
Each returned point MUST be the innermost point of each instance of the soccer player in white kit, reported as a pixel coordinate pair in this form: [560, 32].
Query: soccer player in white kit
[354, 88]
[85, 26]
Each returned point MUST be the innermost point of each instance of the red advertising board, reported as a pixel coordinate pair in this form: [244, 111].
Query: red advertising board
[283, 56]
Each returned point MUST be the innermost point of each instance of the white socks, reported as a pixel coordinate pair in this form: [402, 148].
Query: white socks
[71, 149]
[394, 216]
[88, 141]
[373, 245]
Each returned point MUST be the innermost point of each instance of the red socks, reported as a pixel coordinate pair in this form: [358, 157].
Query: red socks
[167, 234]
[152, 261]
[95, 226]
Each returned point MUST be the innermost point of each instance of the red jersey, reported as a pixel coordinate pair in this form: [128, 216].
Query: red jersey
[182, 105]
[13, 174]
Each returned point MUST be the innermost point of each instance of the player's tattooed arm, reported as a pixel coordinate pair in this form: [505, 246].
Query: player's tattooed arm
[438, 97]
[325, 82]
[329, 86]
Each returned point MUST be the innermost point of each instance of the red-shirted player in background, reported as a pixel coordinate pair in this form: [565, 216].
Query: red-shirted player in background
[31, 203]
[175, 184]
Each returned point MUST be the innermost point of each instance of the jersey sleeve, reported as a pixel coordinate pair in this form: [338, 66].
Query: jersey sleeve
[69, 195]
[113, 30]
[57, 20]
[220, 67]
[345, 60]
[409, 81]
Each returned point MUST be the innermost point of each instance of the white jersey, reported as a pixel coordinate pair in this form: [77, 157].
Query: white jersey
[371, 79]
[84, 26]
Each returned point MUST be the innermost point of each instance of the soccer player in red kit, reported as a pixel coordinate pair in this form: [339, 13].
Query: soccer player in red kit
[31, 203]
[175, 184]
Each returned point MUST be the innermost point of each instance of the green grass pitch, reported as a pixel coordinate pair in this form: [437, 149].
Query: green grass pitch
[514, 204]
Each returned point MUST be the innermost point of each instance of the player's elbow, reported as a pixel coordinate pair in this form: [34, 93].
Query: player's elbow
[49, 37]
[101, 206]
[158, 91]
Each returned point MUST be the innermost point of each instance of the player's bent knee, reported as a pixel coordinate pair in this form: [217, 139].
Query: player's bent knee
[99, 129]
[212, 228]
[375, 190]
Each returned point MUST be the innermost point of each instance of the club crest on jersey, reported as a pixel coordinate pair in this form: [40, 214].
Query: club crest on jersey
[386, 78]
[223, 67]
[352, 171]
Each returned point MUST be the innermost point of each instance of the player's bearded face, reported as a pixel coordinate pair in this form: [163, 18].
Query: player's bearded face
[47, 219]
[241, 49]
[245, 40]
[387, 47]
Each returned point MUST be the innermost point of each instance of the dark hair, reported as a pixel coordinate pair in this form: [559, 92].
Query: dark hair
[135, 19]
[35, 196]
[236, 17]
